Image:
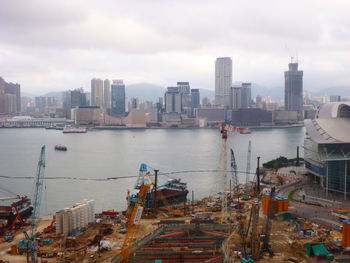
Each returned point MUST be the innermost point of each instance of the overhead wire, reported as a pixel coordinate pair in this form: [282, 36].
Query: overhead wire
[119, 177]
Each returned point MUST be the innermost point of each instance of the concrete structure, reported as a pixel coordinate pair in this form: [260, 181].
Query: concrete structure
[327, 147]
[107, 94]
[251, 117]
[97, 92]
[27, 121]
[75, 217]
[223, 81]
[293, 89]
[211, 116]
[173, 100]
[118, 98]
[281, 117]
[88, 115]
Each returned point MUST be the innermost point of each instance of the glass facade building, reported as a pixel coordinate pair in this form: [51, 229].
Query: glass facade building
[327, 148]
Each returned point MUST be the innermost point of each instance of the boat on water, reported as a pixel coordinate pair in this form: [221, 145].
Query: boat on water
[173, 191]
[60, 147]
[245, 131]
[9, 212]
[74, 130]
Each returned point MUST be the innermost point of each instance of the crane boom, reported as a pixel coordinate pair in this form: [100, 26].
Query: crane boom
[33, 244]
[132, 223]
[38, 189]
[249, 157]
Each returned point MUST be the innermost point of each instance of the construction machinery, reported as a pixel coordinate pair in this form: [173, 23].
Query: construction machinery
[267, 229]
[224, 129]
[33, 244]
[133, 222]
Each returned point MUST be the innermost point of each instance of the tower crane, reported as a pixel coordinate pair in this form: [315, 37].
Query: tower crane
[224, 128]
[34, 220]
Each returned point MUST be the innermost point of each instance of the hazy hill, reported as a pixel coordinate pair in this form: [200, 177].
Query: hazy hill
[147, 91]
[337, 90]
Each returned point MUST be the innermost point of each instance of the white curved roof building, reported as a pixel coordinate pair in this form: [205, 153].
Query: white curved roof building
[327, 147]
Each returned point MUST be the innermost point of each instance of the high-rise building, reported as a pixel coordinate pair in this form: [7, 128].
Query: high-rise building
[241, 96]
[173, 100]
[118, 98]
[206, 102]
[40, 104]
[185, 90]
[246, 95]
[195, 98]
[97, 92]
[236, 96]
[223, 81]
[134, 103]
[107, 94]
[293, 88]
[334, 98]
[73, 99]
[10, 97]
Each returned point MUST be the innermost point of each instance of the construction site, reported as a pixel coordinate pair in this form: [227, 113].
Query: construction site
[244, 222]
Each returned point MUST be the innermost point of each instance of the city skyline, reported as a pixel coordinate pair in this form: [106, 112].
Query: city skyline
[56, 51]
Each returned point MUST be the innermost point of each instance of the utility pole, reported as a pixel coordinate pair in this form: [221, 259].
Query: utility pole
[155, 191]
[258, 176]
[298, 156]
[192, 201]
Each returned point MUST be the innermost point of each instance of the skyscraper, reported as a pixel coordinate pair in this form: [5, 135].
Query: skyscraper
[241, 96]
[185, 90]
[107, 94]
[118, 98]
[293, 89]
[223, 81]
[236, 93]
[246, 95]
[73, 99]
[10, 97]
[97, 92]
[173, 100]
[195, 98]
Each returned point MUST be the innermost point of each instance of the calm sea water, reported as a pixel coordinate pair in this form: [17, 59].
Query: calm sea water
[107, 153]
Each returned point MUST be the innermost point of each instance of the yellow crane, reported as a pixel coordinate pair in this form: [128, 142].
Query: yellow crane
[132, 224]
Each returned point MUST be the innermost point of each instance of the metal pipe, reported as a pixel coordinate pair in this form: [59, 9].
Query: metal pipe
[258, 176]
[155, 205]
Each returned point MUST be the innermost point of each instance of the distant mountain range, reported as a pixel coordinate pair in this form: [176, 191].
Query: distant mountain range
[151, 92]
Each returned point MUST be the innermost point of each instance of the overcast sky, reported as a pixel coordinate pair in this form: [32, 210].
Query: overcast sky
[58, 45]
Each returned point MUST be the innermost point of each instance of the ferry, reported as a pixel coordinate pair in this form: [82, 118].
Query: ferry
[60, 148]
[245, 131]
[74, 130]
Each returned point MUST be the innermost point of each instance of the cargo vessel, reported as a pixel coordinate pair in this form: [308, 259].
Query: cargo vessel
[172, 191]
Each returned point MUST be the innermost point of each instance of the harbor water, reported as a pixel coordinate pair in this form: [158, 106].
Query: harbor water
[101, 154]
